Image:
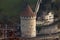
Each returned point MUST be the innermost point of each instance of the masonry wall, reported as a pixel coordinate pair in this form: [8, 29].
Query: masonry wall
[49, 18]
[28, 26]
[50, 29]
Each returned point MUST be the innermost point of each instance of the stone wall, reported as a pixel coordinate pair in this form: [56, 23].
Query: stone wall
[28, 26]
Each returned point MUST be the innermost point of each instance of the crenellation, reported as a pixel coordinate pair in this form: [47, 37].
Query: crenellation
[28, 18]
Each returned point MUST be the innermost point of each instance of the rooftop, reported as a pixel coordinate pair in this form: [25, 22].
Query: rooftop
[27, 11]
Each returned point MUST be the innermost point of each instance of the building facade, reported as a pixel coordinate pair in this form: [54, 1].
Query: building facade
[49, 18]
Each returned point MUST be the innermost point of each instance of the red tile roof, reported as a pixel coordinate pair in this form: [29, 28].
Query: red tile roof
[27, 12]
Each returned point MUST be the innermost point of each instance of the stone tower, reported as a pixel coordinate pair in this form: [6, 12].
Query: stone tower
[28, 22]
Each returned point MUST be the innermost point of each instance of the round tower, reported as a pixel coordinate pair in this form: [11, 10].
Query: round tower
[28, 22]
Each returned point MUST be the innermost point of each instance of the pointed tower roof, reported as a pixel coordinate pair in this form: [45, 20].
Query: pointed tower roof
[27, 11]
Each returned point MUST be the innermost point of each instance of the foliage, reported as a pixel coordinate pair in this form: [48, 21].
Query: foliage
[12, 7]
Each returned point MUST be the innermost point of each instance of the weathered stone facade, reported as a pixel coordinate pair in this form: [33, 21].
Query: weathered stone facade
[28, 23]
[28, 26]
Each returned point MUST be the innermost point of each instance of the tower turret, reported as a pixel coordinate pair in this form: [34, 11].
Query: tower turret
[28, 22]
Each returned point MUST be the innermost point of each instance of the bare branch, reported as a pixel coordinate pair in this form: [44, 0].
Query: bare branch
[37, 6]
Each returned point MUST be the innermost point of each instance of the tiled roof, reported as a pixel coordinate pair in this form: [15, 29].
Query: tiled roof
[27, 11]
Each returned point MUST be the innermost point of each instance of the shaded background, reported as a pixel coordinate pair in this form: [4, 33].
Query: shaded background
[10, 9]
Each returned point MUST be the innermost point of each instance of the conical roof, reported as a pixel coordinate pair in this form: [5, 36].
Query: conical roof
[27, 11]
